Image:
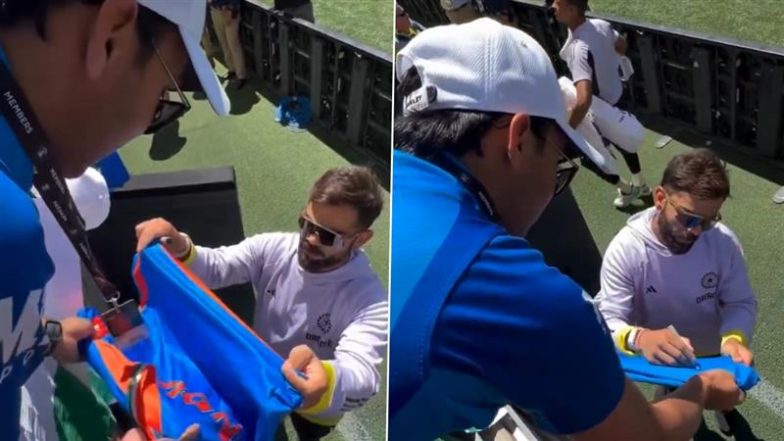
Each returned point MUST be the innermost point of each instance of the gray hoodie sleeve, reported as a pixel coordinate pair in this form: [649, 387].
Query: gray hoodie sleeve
[736, 298]
[353, 374]
[615, 299]
[230, 265]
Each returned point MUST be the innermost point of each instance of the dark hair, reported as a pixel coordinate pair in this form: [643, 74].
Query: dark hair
[581, 5]
[699, 173]
[356, 186]
[14, 12]
[454, 131]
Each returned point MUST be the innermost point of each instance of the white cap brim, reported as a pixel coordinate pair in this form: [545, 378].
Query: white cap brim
[208, 79]
[591, 153]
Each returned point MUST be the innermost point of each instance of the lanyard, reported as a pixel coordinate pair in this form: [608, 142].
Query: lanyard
[47, 180]
[451, 166]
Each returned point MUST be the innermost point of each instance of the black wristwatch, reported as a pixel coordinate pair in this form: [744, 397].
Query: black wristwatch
[54, 332]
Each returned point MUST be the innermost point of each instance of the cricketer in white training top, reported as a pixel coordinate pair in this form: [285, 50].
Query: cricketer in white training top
[593, 51]
[676, 264]
[313, 288]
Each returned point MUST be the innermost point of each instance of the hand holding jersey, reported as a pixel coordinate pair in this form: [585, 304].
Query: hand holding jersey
[74, 330]
[313, 384]
[737, 351]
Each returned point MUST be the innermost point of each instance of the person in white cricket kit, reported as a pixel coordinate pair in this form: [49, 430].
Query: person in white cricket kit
[593, 51]
[675, 264]
[316, 293]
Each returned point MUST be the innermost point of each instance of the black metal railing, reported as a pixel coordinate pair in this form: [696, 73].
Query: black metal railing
[349, 84]
[723, 88]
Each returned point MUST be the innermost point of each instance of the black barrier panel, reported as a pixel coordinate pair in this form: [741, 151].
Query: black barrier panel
[563, 236]
[195, 202]
[349, 85]
[720, 87]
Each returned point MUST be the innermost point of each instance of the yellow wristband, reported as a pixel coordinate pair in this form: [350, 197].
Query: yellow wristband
[188, 259]
[622, 341]
[326, 399]
[735, 334]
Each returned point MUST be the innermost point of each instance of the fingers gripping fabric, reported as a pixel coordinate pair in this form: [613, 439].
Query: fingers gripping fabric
[199, 363]
[639, 369]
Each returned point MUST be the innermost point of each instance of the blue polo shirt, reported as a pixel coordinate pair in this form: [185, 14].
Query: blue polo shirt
[25, 267]
[478, 321]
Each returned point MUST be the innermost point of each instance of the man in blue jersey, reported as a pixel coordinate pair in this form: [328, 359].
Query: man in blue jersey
[94, 74]
[478, 319]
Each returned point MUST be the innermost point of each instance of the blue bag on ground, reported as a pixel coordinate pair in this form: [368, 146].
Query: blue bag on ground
[641, 370]
[294, 112]
[192, 362]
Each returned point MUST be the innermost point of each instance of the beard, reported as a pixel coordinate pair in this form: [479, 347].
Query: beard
[314, 260]
[675, 241]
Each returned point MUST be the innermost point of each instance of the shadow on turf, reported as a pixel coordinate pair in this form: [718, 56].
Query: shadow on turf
[243, 100]
[167, 143]
[745, 160]
[743, 431]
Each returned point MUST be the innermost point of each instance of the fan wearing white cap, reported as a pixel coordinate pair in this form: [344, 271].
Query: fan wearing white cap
[78, 79]
[478, 319]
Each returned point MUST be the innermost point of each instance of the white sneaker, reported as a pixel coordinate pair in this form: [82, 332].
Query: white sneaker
[624, 199]
[645, 190]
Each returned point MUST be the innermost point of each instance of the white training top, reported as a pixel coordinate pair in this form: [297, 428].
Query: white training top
[705, 293]
[590, 53]
[342, 314]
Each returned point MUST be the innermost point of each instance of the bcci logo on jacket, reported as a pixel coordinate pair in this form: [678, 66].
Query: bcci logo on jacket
[324, 322]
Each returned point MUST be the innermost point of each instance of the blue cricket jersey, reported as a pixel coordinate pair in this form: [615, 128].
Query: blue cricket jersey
[478, 321]
[25, 267]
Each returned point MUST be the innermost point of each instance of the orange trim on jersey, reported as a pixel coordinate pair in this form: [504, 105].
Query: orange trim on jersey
[116, 363]
[149, 403]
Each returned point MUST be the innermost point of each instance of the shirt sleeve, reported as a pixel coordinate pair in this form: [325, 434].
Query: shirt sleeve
[353, 374]
[533, 334]
[230, 265]
[579, 64]
[616, 297]
[736, 298]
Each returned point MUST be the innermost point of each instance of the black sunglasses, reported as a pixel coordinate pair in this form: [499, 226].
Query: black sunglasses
[168, 110]
[566, 168]
[564, 174]
[326, 236]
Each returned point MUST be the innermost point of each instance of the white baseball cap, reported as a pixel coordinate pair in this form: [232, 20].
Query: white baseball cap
[190, 17]
[486, 66]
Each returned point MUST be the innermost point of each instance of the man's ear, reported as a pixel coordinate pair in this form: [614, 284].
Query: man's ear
[659, 197]
[363, 238]
[113, 31]
[518, 127]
